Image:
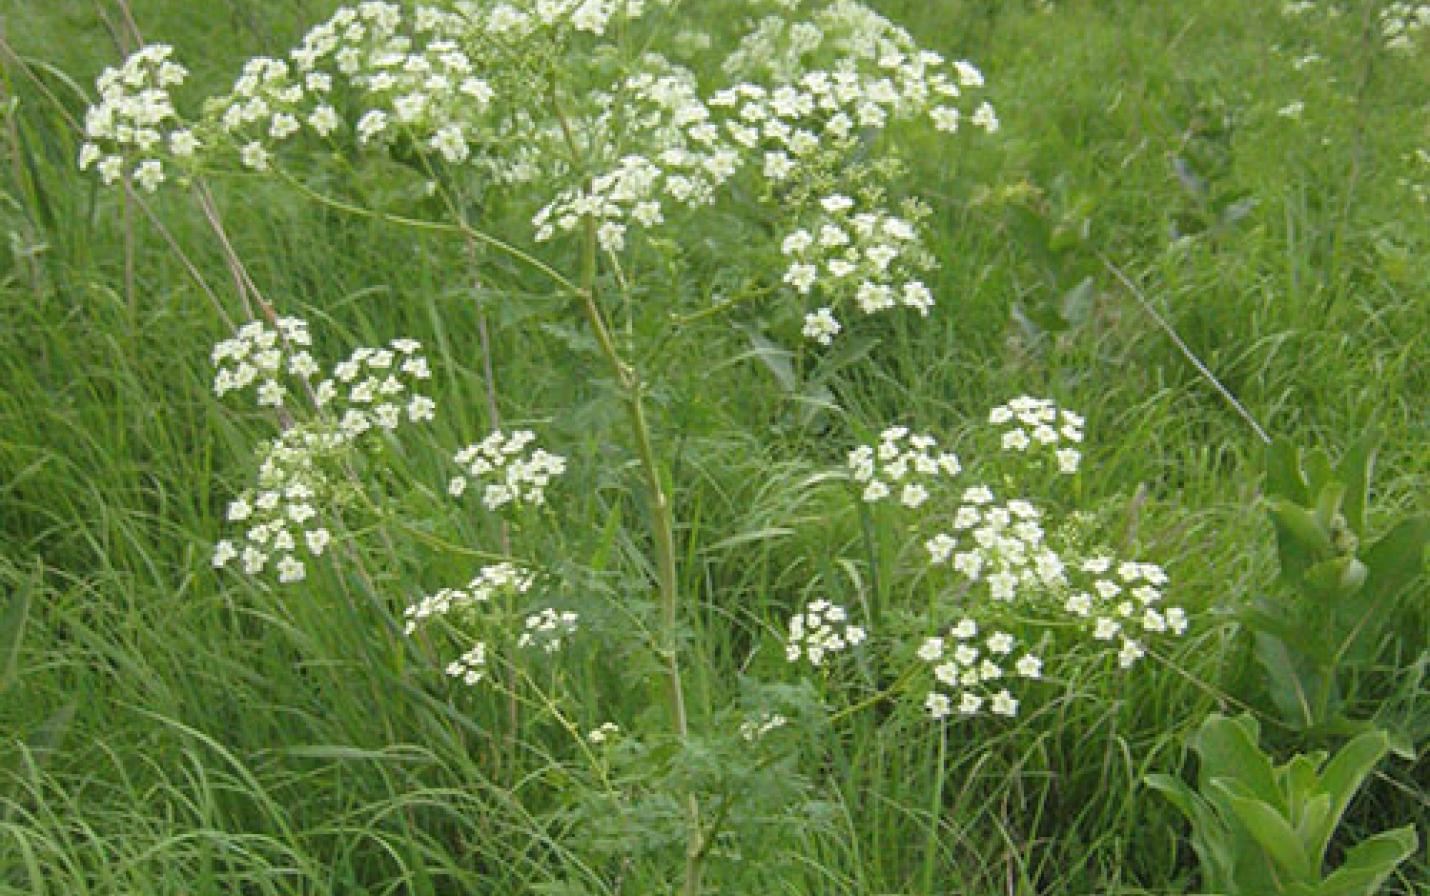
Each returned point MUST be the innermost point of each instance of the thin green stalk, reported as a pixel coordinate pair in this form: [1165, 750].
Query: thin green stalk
[437, 226]
[662, 533]
[935, 811]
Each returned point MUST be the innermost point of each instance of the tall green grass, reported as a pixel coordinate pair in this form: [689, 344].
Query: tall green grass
[167, 730]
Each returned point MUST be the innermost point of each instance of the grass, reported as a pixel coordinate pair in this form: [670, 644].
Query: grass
[169, 730]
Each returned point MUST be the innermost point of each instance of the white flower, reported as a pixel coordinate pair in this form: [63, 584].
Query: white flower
[821, 326]
[254, 155]
[938, 705]
[290, 569]
[944, 118]
[984, 117]
[224, 552]
[801, 276]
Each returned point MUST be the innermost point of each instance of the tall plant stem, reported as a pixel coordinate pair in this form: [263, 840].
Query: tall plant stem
[662, 527]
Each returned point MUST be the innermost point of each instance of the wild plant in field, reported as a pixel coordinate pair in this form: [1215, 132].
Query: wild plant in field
[567, 111]
[1003, 587]
[1400, 24]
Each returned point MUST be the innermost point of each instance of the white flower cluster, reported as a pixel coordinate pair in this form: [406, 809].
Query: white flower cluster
[969, 671]
[604, 733]
[869, 256]
[1031, 425]
[263, 355]
[1002, 545]
[548, 629]
[753, 730]
[281, 516]
[901, 464]
[489, 582]
[470, 667]
[135, 119]
[407, 78]
[1417, 181]
[298, 472]
[1401, 24]
[1121, 602]
[821, 630]
[686, 158]
[590, 16]
[507, 470]
[373, 388]
[875, 71]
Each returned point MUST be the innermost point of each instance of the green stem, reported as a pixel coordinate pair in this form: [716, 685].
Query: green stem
[662, 527]
[436, 226]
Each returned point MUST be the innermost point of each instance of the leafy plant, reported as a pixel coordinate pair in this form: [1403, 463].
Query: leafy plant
[1315, 642]
[1263, 829]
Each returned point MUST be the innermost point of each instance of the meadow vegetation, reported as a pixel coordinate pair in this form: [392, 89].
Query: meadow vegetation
[936, 451]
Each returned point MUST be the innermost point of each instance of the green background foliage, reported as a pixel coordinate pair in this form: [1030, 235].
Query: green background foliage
[165, 729]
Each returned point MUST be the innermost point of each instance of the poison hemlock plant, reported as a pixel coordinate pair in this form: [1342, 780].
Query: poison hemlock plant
[1262, 830]
[479, 100]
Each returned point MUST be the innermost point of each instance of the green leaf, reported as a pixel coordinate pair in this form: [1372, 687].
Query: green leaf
[1398, 557]
[1333, 580]
[610, 533]
[1343, 776]
[1301, 542]
[1076, 305]
[12, 631]
[1328, 503]
[1312, 824]
[1292, 680]
[1283, 472]
[1318, 471]
[1354, 471]
[1268, 826]
[1370, 862]
[1269, 615]
[776, 359]
[1227, 749]
[1210, 836]
[1300, 780]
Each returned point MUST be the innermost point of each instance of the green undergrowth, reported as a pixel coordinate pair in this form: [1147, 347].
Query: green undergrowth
[166, 729]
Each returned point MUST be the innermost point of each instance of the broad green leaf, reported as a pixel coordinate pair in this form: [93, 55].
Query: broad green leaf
[1210, 836]
[1344, 774]
[1227, 748]
[1313, 825]
[1300, 779]
[1370, 862]
[1398, 557]
[1302, 525]
[775, 357]
[1274, 617]
[610, 532]
[1328, 503]
[1331, 581]
[1292, 680]
[1318, 471]
[1284, 478]
[1269, 827]
[1355, 471]
[1076, 306]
